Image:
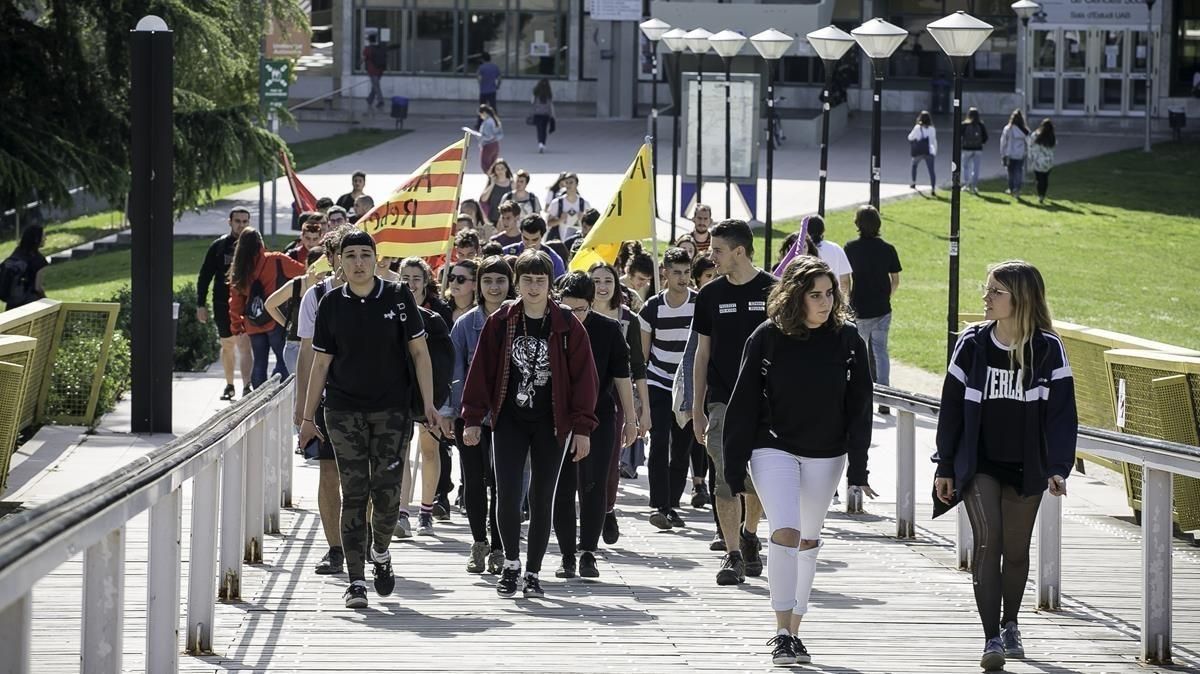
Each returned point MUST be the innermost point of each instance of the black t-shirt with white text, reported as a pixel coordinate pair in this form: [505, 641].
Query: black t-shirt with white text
[529, 391]
[368, 339]
[1002, 417]
[872, 260]
[727, 314]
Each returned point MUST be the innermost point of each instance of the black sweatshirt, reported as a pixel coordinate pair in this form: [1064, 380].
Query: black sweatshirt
[819, 395]
[213, 271]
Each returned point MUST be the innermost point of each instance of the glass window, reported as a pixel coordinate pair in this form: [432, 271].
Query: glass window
[538, 43]
[385, 25]
[1186, 61]
[847, 11]
[432, 48]
[589, 53]
[487, 32]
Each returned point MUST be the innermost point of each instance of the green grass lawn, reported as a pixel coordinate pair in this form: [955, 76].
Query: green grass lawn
[309, 153]
[100, 276]
[1118, 244]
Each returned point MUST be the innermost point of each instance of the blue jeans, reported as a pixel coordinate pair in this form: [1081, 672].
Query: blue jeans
[1016, 174]
[928, 159]
[971, 162]
[874, 332]
[261, 345]
[291, 354]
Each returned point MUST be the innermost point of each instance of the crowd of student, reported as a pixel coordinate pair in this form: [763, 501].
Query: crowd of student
[548, 384]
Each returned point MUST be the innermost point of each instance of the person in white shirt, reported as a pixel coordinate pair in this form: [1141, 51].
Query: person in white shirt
[564, 212]
[831, 253]
[923, 144]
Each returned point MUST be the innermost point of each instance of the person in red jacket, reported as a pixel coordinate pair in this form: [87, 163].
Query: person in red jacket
[533, 373]
[253, 276]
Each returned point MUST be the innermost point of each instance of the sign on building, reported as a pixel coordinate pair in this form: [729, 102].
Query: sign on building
[617, 10]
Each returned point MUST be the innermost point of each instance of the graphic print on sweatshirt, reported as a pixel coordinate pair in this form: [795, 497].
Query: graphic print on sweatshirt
[531, 355]
[1004, 384]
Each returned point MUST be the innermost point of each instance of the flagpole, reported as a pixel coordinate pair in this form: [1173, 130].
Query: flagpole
[654, 232]
[446, 266]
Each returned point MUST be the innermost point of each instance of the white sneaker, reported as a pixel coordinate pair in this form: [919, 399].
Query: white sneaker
[541, 148]
[403, 527]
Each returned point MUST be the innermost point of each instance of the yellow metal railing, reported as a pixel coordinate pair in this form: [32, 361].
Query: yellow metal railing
[16, 352]
[1157, 395]
[38, 320]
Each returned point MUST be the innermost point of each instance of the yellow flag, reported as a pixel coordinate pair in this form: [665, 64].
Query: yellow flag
[629, 216]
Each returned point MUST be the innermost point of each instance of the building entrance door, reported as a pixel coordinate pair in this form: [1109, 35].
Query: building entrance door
[1088, 72]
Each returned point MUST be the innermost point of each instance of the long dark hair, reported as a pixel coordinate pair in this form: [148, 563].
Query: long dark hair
[488, 110]
[32, 239]
[1045, 133]
[541, 91]
[1017, 119]
[925, 119]
[972, 116]
[618, 297]
[245, 256]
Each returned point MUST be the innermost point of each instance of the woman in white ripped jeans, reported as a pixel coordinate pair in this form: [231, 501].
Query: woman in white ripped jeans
[796, 440]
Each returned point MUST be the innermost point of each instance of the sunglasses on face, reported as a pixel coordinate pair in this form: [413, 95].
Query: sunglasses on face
[460, 278]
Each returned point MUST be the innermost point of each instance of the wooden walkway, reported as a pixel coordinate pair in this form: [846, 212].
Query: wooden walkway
[879, 605]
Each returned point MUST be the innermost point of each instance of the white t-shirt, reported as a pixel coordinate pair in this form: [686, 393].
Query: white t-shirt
[833, 255]
[571, 212]
[306, 324]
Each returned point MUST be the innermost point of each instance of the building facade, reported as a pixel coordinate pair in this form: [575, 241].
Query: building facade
[1075, 57]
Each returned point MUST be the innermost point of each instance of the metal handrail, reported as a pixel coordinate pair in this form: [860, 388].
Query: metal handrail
[1159, 460]
[328, 95]
[240, 464]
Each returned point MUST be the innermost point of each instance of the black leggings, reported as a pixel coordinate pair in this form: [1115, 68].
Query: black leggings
[1001, 523]
[1043, 182]
[477, 477]
[445, 484]
[590, 478]
[513, 441]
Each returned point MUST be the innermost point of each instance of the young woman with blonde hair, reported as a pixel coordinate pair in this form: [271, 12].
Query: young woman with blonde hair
[1006, 433]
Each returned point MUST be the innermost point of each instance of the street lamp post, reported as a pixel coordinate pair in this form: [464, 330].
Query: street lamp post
[653, 29]
[959, 35]
[697, 43]
[878, 39]
[1024, 9]
[1149, 71]
[674, 39]
[771, 45]
[727, 44]
[831, 44]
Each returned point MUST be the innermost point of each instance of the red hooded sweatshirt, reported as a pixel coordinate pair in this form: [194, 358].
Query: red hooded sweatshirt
[572, 371]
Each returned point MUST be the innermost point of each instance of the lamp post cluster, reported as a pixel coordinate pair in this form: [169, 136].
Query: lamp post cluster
[959, 36]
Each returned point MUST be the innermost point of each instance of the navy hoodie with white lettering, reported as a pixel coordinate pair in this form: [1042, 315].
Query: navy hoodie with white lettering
[1009, 422]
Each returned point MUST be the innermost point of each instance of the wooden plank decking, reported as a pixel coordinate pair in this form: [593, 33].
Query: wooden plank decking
[879, 605]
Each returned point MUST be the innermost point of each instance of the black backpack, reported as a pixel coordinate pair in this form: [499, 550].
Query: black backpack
[256, 303]
[14, 284]
[441, 356]
[379, 57]
[972, 136]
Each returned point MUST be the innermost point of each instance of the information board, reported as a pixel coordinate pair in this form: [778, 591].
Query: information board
[743, 131]
[616, 10]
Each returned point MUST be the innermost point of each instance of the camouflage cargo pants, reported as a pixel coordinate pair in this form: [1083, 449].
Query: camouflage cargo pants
[369, 448]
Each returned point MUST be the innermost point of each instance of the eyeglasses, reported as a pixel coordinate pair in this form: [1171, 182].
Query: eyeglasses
[989, 291]
[582, 310]
[460, 278]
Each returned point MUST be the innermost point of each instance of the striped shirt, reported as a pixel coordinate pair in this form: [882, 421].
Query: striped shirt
[668, 328]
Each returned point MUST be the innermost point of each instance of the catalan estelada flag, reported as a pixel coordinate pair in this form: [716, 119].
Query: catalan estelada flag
[416, 221]
[629, 216]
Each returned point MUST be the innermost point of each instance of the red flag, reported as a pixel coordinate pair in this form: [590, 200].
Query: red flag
[304, 199]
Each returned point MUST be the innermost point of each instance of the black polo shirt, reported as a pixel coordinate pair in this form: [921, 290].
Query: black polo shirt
[368, 339]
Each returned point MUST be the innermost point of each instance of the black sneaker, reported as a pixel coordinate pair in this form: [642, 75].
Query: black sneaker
[700, 497]
[751, 547]
[385, 580]
[660, 519]
[331, 563]
[885, 410]
[674, 518]
[229, 392]
[782, 654]
[533, 587]
[356, 595]
[717, 544]
[587, 566]
[441, 508]
[507, 585]
[567, 568]
[733, 569]
[611, 531]
[245, 391]
[802, 656]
